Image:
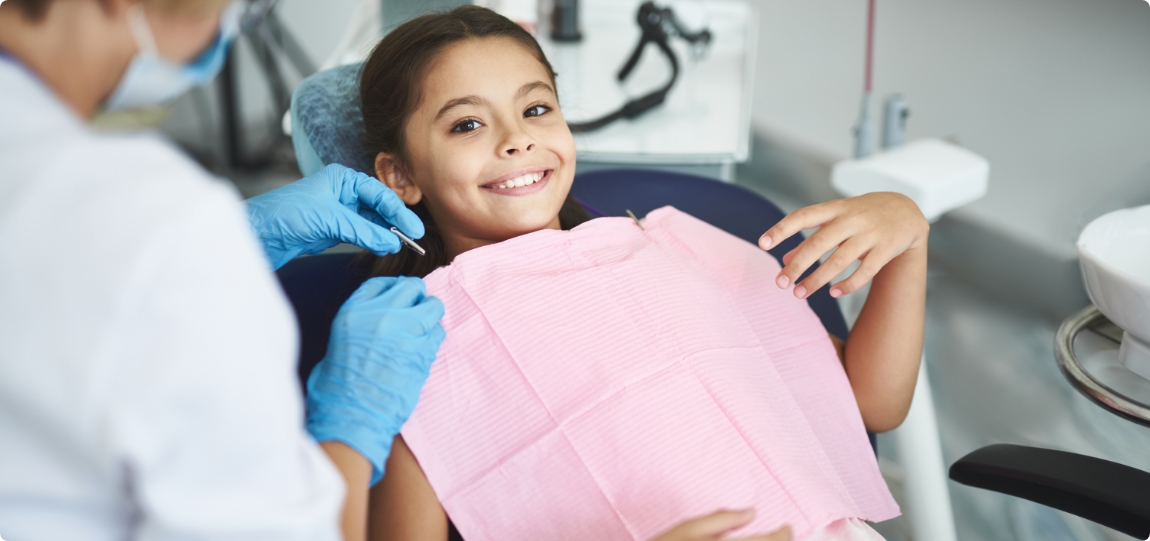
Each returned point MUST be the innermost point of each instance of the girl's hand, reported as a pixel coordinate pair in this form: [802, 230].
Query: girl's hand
[874, 228]
[714, 525]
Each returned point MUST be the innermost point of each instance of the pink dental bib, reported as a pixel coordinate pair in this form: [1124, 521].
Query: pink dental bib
[607, 383]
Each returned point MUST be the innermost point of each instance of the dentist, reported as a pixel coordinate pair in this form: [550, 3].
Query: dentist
[147, 355]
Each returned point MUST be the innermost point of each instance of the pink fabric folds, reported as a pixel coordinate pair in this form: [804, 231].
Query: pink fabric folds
[607, 383]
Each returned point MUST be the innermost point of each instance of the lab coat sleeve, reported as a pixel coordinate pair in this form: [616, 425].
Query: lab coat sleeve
[208, 417]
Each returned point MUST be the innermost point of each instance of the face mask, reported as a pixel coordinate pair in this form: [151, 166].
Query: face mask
[154, 80]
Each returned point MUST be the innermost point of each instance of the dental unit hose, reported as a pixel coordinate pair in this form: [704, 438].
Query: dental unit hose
[864, 130]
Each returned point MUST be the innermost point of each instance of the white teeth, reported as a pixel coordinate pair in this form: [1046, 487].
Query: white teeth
[518, 182]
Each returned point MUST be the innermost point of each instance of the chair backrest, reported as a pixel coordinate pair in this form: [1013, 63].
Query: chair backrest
[734, 209]
[317, 287]
[326, 121]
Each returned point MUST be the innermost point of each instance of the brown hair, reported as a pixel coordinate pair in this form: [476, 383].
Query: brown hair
[390, 90]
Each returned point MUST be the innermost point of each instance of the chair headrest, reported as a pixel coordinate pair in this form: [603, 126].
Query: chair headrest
[326, 121]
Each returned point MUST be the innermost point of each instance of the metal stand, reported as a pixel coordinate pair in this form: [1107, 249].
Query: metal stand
[920, 454]
[1083, 381]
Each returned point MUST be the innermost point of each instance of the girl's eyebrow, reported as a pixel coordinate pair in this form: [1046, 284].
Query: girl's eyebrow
[531, 87]
[476, 100]
[459, 102]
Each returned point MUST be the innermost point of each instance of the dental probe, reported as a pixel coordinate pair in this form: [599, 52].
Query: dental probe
[410, 243]
[637, 222]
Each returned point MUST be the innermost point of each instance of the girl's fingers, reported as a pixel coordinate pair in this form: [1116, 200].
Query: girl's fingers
[823, 241]
[843, 257]
[804, 218]
[708, 526]
[716, 524]
[713, 526]
[782, 534]
[871, 264]
[789, 255]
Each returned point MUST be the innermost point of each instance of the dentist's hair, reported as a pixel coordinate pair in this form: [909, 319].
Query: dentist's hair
[34, 10]
[390, 89]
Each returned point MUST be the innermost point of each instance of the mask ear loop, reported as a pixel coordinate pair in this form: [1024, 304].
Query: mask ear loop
[141, 31]
[235, 17]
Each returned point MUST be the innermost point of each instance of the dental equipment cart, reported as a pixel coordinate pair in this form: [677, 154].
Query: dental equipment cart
[703, 127]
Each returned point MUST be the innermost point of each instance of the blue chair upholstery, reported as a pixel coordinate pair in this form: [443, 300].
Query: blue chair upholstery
[327, 126]
[317, 287]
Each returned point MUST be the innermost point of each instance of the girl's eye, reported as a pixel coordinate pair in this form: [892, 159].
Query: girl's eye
[537, 110]
[467, 125]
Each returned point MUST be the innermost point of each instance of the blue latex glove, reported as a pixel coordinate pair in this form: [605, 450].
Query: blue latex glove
[336, 204]
[383, 341]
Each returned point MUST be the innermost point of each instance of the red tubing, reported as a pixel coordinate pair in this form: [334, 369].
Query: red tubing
[869, 43]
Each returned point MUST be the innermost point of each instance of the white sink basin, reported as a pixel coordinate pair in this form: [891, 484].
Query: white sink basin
[1114, 252]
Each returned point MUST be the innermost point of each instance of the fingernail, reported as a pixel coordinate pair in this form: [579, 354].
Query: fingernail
[783, 281]
[836, 292]
[765, 242]
[801, 292]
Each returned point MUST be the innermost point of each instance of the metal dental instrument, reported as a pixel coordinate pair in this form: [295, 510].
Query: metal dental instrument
[408, 242]
[637, 222]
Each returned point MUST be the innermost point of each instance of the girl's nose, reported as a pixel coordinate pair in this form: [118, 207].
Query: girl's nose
[512, 150]
[517, 141]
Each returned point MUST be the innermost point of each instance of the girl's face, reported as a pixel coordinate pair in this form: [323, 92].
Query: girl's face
[489, 153]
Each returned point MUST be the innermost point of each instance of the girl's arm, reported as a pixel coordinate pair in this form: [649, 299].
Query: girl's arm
[356, 472]
[403, 505]
[889, 234]
[885, 345]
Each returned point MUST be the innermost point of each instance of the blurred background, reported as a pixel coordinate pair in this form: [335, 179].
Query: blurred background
[1055, 94]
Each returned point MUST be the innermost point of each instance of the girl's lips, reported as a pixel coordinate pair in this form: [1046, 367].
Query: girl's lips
[529, 189]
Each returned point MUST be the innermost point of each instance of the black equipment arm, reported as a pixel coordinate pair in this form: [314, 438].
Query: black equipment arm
[658, 25]
[1105, 492]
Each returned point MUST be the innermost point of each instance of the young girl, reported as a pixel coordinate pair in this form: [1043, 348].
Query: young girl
[462, 112]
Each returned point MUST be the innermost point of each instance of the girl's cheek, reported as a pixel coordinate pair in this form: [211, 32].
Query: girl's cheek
[566, 142]
[461, 168]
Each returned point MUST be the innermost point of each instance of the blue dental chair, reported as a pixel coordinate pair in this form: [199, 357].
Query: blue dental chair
[327, 128]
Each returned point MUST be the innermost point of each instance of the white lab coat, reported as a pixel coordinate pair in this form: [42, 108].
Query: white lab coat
[147, 355]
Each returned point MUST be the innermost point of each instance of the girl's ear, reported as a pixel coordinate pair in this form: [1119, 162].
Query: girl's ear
[388, 171]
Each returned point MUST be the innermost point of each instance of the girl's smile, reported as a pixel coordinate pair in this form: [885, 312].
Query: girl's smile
[522, 182]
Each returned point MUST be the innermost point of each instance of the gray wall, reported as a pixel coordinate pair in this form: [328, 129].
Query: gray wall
[318, 24]
[1055, 93]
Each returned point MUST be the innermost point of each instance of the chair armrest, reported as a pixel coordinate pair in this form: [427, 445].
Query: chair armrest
[1105, 492]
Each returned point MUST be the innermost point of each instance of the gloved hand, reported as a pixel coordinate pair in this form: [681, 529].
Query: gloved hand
[336, 204]
[383, 341]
